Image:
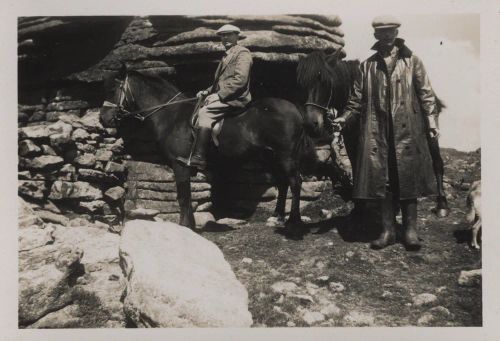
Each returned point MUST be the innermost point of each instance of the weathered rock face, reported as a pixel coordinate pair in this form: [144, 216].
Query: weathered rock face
[68, 276]
[204, 291]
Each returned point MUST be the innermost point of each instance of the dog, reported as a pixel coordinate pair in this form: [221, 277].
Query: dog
[474, 211]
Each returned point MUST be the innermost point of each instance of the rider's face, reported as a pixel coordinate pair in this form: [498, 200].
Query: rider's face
[386, 36]
[229, 39]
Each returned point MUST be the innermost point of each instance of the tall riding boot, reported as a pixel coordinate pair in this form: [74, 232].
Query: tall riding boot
[199, 150]
[388, 235]
[410, 236]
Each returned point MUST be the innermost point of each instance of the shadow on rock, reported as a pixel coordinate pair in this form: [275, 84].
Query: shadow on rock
[212, 226]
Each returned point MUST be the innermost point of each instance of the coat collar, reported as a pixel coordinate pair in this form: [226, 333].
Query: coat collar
[404, 51]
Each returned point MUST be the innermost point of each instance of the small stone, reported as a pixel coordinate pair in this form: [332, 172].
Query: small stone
[247, 260]
[290, 324]
[323, 279]
[326, 214]
[203, 218]
[101, 225]
[113, 167]
[441, 289]
[386, 294]
[85, 160]
[311, 317]
[109, 140]
[96, 206]
[48, 150]
[104, 155]
[79, 221]
[358, 319]
[115, 193]
[470, 278]
[111, 131]
[424, 299]
[283, 287]
[306, 219]
[139, 213]
[320, 265]
[281, 299]
[28, 148]
[24, 175]
[331, 310]
[349, 254]
[231, 221]
[43, 162]
[80, 135]
[303, 298]
[336, 287]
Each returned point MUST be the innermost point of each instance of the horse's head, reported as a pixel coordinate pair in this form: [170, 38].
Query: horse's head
[119, 100]
[314, 74]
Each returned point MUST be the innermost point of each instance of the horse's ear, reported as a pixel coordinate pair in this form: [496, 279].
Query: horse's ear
[333, 58]
[122, 71]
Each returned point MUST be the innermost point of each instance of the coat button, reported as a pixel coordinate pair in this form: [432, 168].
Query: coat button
[374, 149]
[407, 147]
[402, 102]
[403, 125]
[398, 80]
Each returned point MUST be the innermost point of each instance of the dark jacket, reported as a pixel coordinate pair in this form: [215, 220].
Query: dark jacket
[408, 96]
[232, 78]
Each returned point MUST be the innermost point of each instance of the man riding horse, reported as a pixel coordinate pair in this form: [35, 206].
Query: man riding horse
[229, 93]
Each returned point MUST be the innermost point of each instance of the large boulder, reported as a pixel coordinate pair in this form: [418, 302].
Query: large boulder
[170, 285]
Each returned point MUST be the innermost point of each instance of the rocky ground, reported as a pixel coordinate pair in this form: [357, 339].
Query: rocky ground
[333, 278]
[70, 275]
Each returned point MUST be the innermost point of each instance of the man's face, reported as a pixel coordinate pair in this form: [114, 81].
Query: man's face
[229, 39]
[386, 36]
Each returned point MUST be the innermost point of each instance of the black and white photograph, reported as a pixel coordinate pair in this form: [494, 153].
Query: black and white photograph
[301, 169]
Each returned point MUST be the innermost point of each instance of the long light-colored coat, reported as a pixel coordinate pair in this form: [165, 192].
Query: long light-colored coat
[408, 96]
[232, 78]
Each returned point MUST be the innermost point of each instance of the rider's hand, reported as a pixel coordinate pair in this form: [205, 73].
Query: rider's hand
[339, 123]
[211, 98]
[202, 93]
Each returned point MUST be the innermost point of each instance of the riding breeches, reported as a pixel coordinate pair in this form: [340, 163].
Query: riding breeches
[214, 111]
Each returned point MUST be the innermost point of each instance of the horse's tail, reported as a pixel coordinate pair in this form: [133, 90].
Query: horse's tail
[306, 151]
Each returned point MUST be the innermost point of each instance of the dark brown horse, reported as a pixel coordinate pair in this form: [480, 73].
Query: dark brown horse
[328, 82]
[269, 129]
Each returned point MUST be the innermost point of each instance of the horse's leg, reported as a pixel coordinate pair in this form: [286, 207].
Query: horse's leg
[294, 221]
[183, 183]
[442, 209]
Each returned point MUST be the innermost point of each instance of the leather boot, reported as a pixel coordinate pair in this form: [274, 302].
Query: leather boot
[410, 236]
[199, 150]
[388, 235]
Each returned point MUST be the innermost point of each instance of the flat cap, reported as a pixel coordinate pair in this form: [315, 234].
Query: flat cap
[385, 21]
[228, 28]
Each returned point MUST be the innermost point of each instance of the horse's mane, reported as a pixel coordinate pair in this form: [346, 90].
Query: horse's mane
[311, 67]
[156, 82]
[314, 68]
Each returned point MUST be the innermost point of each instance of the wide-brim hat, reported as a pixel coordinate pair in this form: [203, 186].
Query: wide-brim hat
[228, 28]
[385, 21]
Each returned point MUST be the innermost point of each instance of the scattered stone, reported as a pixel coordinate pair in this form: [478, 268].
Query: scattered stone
[203, 218]
[28, 148]
[96, 176]
[24, 175]
[386, 294]
[349, 254]
[43, 162]
[80, 135]
[232, 222]
[32, 189]
[91, 121]
[115, 193]
[302, 298]
[323, 279]
[204, 291]
[441, 289]
[247, 260]
[104, 155]
[79, 221]
[433, 316]
[109, 140]
[96, 206]
[74, 190]
[326, 214]
[281, 299]
[48, 150]
[290, 324]
[470, 278]
[111, 131]
[320, 265]
[51, 217]
[331, 310]
[336, 287]
[312, 317]
[142, 213]
[424, 299]
[36, 132]
[113, 167]
[100, 225]
[284, 287]
[207, 206]
[85, 160]
[358, 319]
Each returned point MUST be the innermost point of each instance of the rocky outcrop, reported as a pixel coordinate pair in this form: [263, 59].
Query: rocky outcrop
[68, 276]
[204, 292]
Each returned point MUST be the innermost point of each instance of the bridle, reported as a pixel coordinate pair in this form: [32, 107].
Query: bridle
[126, 98]
[326, 108]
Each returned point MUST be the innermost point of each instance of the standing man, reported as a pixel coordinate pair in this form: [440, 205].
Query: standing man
[395, 103]
[229, 93]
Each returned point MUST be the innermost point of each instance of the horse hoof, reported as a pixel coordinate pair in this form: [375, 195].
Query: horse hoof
[442, 212]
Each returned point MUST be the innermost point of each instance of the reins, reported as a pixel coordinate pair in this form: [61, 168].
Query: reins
[124, 86]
